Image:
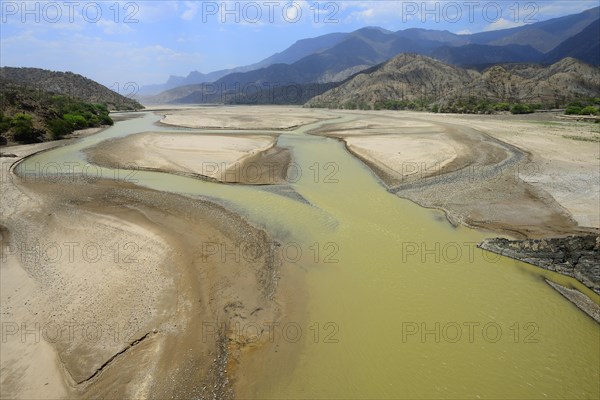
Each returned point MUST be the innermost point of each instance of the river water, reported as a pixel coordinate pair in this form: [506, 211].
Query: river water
[395, 302]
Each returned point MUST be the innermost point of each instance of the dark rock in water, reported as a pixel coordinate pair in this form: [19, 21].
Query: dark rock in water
[574, 256]
[583, 302]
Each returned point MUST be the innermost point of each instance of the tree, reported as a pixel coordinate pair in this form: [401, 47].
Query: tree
[76, 121]
[106, 120]
[59, 128]
[502, 107]
[22, 128]
[573, 110]
[589, 110]
[521, 109]
[5, 123]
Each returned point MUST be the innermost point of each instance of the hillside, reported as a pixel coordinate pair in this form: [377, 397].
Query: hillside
[416, 78]
[68, 84]
[479, 54]
[584, 46]
[542, 36]
[38, 105]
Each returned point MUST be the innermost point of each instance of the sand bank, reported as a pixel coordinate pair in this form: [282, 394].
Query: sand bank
[113, 288]
[478, 178]
[243, 117]
[250, 159]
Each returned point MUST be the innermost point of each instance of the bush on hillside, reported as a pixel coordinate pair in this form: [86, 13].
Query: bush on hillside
[59, 128]
[522, 109]
[589, 110]
[22, 128]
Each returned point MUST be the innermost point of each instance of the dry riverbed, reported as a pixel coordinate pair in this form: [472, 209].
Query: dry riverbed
[115, 293]
[111, 284]
[501, 174]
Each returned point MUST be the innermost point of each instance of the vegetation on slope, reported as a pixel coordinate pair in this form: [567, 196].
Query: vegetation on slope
[471, 105]
[68, 84]
[584, 107]
[28, 115]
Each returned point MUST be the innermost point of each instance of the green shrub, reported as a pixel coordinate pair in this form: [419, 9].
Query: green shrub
[106, 120]
[5, 123]
[501, 107]
[573, 110]
[76, 121]
[59, 128]
[102, 108]
[521, 109]
[589, 110]
[22, 128]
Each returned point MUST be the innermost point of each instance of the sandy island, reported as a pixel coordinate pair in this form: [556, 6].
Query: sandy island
[243, 117]
[249, 159]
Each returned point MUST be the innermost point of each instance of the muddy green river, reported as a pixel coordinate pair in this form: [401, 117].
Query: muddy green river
[394, 301]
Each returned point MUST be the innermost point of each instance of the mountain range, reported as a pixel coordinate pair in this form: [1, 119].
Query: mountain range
[412, 77]
[332, 58]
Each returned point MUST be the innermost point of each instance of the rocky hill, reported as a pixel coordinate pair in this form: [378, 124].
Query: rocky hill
[411, 77]
[68, 84]
[38, 105]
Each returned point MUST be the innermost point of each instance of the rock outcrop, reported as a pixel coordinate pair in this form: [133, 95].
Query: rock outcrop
[574, 256]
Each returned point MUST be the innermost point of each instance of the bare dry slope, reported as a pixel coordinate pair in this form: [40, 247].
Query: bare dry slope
[413, 77]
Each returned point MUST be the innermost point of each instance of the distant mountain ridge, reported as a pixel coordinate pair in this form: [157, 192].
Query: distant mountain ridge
[584, 46]
[295, 52]
[334, 57]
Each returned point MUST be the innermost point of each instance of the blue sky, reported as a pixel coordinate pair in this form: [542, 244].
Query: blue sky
[115, 42]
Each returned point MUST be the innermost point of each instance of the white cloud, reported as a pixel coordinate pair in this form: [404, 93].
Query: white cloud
[503, 23]
[191, 11]
[113, 28]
